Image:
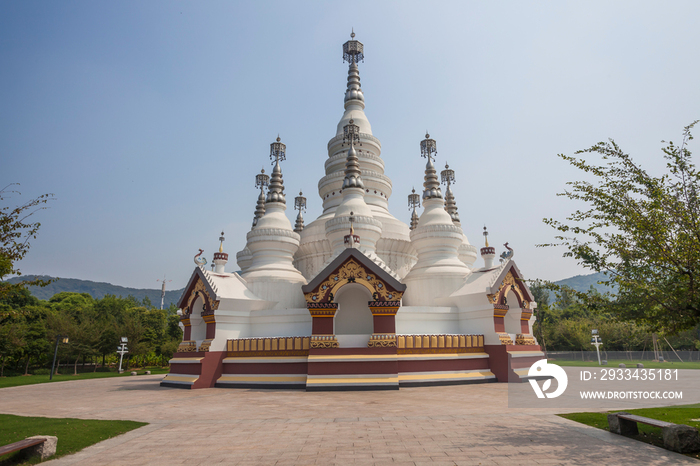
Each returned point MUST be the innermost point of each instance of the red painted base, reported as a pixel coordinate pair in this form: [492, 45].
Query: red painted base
[502, 363]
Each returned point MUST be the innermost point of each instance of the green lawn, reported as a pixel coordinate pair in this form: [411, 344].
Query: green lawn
[73, 434]
[33, 379]
[616, 362]
[683, 414]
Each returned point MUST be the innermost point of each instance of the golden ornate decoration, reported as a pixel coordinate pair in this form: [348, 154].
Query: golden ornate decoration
[505, 339]
[384, 311]
[187, 346]
[323, 341]
[204, 347]
[268, 346]
[352, 272]
[510, 281]
[382, 341]
[200, 288]
[322, 312]
[524, 339]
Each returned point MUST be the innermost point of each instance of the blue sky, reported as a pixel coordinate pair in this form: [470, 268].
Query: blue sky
[149, 120]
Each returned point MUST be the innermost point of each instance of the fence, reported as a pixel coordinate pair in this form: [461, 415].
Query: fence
[623, 355]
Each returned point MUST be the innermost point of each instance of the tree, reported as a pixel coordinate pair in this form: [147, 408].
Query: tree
[642, 231]
[15, 233]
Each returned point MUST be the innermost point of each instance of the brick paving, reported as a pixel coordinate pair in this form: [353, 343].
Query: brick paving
[454, 425]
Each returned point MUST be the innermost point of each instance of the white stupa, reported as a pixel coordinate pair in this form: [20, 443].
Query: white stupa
[356, 299]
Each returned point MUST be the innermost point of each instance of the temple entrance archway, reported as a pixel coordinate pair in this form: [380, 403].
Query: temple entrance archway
[199, 327]
[511, 320]
[353, 322]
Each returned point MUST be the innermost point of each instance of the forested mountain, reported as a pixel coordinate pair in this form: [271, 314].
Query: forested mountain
[97, 290]
[585, 282]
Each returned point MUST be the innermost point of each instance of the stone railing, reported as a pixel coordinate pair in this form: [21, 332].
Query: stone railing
[269, 346]
[440, 343]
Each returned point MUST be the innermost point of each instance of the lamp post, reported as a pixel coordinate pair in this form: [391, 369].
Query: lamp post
[59, 338]
[122, 351]
[595, 340]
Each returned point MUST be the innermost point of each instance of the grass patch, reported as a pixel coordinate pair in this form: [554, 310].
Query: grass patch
[628, 363]
[15, 381]
[73, 434]
[682, 414]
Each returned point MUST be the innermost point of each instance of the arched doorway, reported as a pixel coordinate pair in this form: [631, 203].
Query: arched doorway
[199, 327]
[511, 320]
[353, 322]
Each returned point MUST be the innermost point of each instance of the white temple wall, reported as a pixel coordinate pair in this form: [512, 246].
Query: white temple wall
[424, 289]
[286, 294]
[421, 320]
[479, 320]
[294, 322]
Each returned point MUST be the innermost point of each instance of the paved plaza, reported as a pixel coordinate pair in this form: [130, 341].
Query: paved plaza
[454, 425]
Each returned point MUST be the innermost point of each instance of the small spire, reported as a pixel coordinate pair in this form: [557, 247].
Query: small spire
[261, 181]
[300, 205]
[413, 202]
[222, 239]
[275, 192]
[353, 178]
[428, 149]
[488, 253]
[352, 239]
[448, 177]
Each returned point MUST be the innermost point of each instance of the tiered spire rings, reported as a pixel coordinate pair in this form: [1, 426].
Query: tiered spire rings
[300, 205]
[428, 149]
[413, 202]
[448, 177]
[261, 181]
[275, 193]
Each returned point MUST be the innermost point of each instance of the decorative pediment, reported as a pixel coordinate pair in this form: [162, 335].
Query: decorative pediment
[351, 266]
[198, 286]
[511, 280]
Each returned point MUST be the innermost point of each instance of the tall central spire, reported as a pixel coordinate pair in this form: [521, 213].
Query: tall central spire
[353, 52]
[354, 101]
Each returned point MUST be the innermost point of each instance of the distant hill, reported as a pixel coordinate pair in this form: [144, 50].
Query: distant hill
[584, 282]
[97, 290]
